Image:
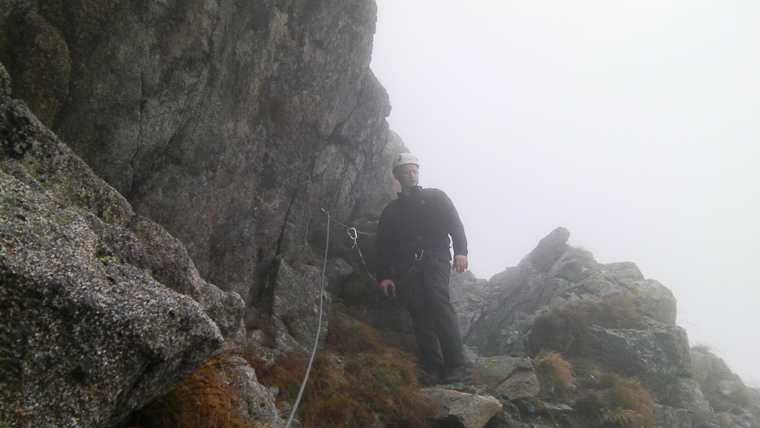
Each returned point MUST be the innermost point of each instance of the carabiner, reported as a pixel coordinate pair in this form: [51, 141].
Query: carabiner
[353, 235]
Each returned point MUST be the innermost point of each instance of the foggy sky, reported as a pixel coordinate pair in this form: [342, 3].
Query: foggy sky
[634, 124]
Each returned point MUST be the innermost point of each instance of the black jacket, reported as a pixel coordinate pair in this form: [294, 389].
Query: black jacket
[423, 220]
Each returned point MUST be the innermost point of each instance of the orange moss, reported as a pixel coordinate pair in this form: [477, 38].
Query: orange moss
[555, 374]
[355, 381]
[204, 399]
[617, 401]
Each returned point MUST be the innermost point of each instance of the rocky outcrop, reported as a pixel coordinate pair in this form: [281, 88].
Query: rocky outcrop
[559, 299]
[102, 310]
[229, 123]
[732, 401]
[550, 277]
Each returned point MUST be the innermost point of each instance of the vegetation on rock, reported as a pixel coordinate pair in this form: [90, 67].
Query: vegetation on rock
[565, 330]
[204, 399]
[357, 379]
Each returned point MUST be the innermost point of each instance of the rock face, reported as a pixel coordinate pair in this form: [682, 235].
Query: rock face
[468, 298]
[101, 309]
[230, 123]
[297, 307]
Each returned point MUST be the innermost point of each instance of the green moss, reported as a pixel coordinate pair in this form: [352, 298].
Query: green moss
[565, 330]
[107, 215]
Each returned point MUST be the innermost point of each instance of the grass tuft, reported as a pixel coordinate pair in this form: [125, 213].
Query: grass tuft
[614, 401]
[357, 380]
[702, 348]
[204, 399]
[555, 375]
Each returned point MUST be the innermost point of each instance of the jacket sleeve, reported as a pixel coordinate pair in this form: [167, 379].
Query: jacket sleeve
[454, 226]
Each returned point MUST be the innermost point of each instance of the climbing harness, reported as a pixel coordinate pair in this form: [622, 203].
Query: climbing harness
[417, 257]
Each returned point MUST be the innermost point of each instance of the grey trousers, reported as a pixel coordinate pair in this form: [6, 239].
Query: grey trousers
[425, 294]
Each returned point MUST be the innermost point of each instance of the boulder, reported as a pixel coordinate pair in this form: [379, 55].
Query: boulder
[515, 378]
[337, 272]
[657, 355]
[101, 309]
[455, 409]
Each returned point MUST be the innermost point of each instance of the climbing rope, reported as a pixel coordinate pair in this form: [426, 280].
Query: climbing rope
[319, 327]
[349, 227]
[354, 235]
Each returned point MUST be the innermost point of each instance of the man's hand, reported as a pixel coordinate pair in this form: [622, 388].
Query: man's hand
[388, 287]
[460, 263]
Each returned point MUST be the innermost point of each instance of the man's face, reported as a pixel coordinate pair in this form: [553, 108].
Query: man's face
[408, 175]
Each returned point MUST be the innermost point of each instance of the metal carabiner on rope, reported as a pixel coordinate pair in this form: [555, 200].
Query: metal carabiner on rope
[354, 236]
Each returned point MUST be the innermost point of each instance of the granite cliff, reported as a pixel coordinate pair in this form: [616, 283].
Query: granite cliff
[164, 167]
[230, 123]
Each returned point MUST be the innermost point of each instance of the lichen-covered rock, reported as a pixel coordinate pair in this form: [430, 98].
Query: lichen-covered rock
[513, 377]
[86, 337]
[658, 355]
[92, 325]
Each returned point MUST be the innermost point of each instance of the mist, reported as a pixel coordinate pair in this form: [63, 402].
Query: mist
[635, 125]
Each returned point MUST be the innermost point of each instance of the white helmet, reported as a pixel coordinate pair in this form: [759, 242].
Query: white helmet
[404, 159]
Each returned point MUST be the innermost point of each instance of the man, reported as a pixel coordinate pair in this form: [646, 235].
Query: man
[414, 263]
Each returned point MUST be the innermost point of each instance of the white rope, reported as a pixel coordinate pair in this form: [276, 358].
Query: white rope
[319, 327]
